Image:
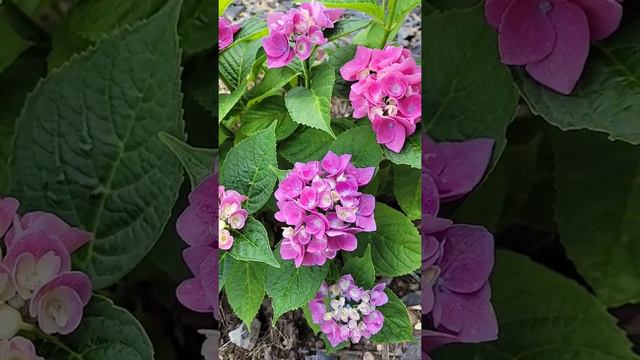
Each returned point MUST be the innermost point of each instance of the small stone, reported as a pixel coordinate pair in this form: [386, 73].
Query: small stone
[412, 353]
[368, 356]
[241, 337]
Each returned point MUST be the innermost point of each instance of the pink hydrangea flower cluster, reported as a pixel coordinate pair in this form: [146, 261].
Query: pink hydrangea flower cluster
[387, 91]
[37, 285]
[295, 32]
[320, 202]
[345, 311]
[552, 38]
[198, 227]
[231, 215]
[457, 259]
[225, 32]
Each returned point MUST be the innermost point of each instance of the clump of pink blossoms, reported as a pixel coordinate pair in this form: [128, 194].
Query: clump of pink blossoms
[295, 32]
[37, 286]
[345, 311]
[320, 202]
[231, 215]
[387, 91]
[225, 32]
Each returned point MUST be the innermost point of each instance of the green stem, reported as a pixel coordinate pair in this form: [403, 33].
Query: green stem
[388, 23]
[307, 73]
[54, 340]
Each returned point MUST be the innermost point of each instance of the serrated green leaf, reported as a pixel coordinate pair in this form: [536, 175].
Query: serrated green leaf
[64, 44]
[369, 7]
[597, 212]
[251, 243]
[408, 190]
[236, 63]
[607, 97]
[337, 59]
[403, 8]
[281, 174]
[245, 288]
[291, 288]
[106, 171]
[273, 83]
[106, 332]
[361, 143]
[471, 94]
[396, 245]
[12, 43]
[246, 168]
[307, 145]
[411, 153]
[342, 28]
[312, 107]
[270, 110]
[561, 320]
[397, 326]
[196, 161]
[362, 269]
[252, 28]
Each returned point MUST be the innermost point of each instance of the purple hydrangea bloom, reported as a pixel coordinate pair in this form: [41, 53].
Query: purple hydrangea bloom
[225, 32]
[457, 259]
[198, 227]
[230, 216]
[322, 204]
[551, 38]
[345, 311]
[295, 32]
[36, 280]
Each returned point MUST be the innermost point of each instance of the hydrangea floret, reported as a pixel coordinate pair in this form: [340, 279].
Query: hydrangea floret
[387, 91]
[37, 285]
[322, 204]
[230, 216]
[225, 32]
[346, 311]
[295, 32]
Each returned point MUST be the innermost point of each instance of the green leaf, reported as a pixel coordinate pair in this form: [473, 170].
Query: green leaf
[307, 145]
[106, 171]
[397, 326]
[597, 212]
[307, 315]
[64, 44]
[251, 243]
[92, 19]
[226, 102]
[12, 43]
[312, 107]
[342, 28]
[471, 94]
[607, 97]
[403, 8]
[260, 116]
[362, 269]
[411, 153]
[196, 161]
[223, 5]
[245, 288]
[337, 59]
[369, 7]
[236, 63]
[543, 315]
[361, 143]
[281, 174]
[196, 26]
[106, 332]
[252, 28]
[408, 190]
[396, 245]
[273, 83]
[246, 168]
[290, 287]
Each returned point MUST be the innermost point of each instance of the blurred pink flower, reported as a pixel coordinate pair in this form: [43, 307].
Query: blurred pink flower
[18, 348]
[551, 38]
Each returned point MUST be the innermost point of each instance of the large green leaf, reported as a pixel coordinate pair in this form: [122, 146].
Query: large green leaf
[397, 326]
[251, 243]
[306, 145]
[197, 162]
[106, 332]
[246, 168]
[471, 94]
[290, 287]
[244, 286]
[369, 7]
[86, 147]
[260, 116]
[408, 190]
[312, 107]
[236, 63]
[344, 27]
[598, 211]
[396, 243]
[411, 153]
[273, 83]
[12, 43]
[196, 26]
[606, 99]
[361, 268]
[361, 143]
[543, 315]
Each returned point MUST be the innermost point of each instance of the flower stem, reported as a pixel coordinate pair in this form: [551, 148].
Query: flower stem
[307, 73]
[53, 340]
[388, 23]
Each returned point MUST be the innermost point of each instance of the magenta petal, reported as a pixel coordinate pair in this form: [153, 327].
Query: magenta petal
[75, 280]
[494, 9]
[430, 196]
[399, 137]
[67, 300]
[209, 279]
[191, 294]
[38, 243]
[467, 259]
[432, 224]
[353, 68]
[193, 230]
[434, 339]
[526, 34]
[72, 238]
[194, 256]
[471, 316]
[8, 208]
[562, 68]
[604, 17]
[346, 242]
[466, 164]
